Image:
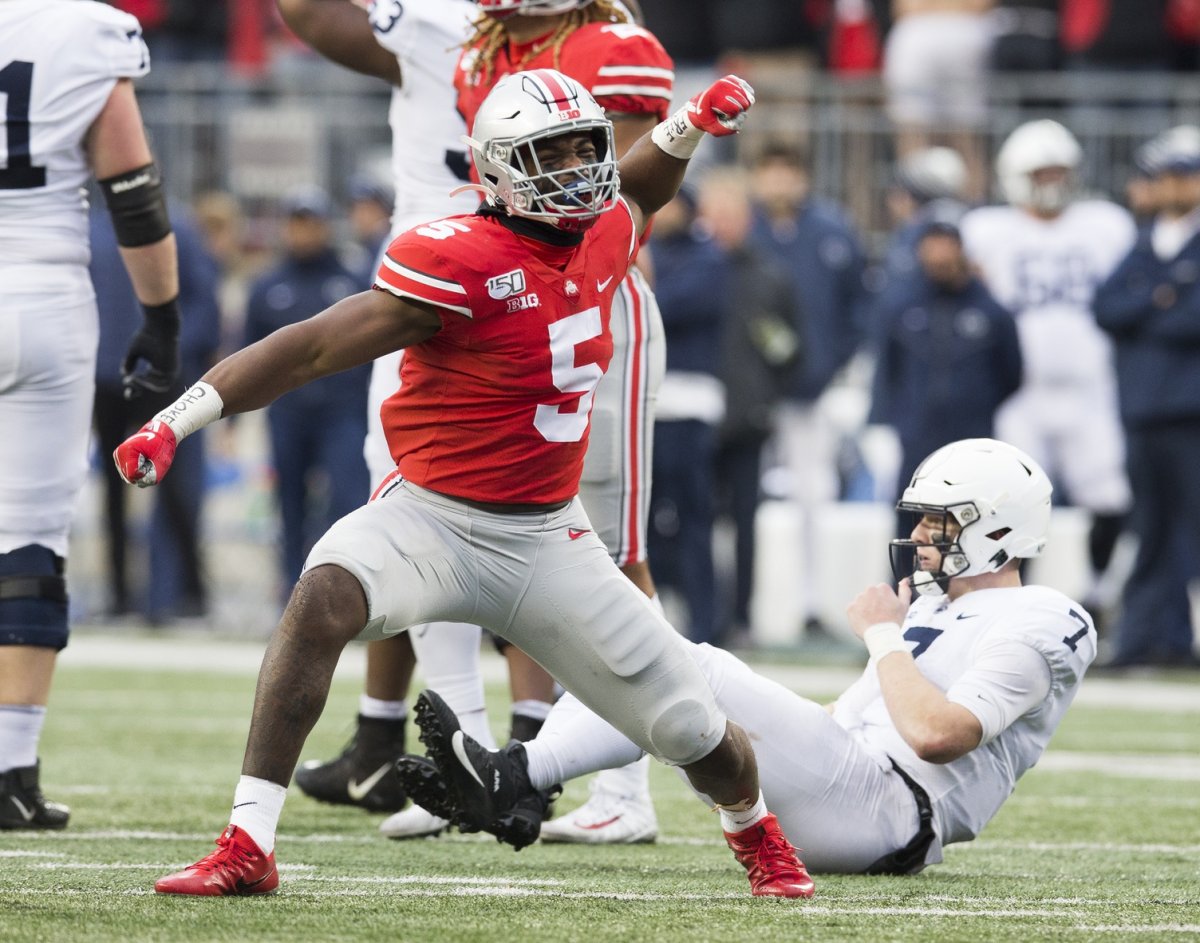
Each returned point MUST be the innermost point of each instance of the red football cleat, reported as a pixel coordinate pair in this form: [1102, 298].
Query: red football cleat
[770, 860]
[237, 867]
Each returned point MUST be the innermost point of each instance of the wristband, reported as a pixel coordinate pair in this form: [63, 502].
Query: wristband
[195, 409]
[883, 638]
[165, 316]
[677, 135]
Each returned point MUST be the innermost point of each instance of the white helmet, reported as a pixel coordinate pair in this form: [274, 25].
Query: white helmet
[1034, 146]
[933, 173]
[500, 9]
[998, 495]
[528, 107]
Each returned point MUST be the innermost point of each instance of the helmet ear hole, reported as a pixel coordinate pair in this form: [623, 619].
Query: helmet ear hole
[999, 534]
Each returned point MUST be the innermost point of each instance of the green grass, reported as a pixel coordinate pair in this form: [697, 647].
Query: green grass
[148, 759]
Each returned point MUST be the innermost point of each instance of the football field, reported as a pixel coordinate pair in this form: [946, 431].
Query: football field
[1100, 842]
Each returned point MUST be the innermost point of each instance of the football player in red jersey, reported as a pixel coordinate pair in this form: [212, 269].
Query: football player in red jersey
[628, 72]
[504, 318]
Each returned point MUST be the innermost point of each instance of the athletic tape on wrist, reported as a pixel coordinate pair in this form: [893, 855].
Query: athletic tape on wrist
[677, 135]
[883, 638]
[195, 409]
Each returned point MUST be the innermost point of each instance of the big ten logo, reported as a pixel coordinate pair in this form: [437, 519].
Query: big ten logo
[521, 302]
[442, 229]
[569, 115]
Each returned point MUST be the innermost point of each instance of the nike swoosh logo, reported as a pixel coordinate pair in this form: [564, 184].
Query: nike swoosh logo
[357, 791]
[601, 285]
[604, 824]
[26, 813]
[240, 804]
[244, 885]
[966, 615]
[574, 534]
[456, 744]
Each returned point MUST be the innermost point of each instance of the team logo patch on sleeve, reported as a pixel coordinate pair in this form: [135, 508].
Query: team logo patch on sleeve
[510, 283]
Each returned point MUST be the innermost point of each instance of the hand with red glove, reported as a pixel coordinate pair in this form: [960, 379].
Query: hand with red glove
[145, 456]
[721, 108]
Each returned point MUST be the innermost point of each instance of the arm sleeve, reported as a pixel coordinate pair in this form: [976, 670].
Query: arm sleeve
[1008, 679]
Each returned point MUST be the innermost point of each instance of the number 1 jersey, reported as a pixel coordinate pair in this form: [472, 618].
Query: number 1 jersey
[495, 406]
[59, 62]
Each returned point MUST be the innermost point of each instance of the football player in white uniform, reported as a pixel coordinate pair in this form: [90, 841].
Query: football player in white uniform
[65, 75]
[414, 46]
[969, 675]
[1042, 257]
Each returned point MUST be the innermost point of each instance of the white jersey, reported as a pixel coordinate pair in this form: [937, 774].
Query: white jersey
[1046, 272]
[1012, 657]
[429, 158]
[59, 62]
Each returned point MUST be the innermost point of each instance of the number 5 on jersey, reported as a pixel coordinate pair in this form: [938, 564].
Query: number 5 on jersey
[552, 422]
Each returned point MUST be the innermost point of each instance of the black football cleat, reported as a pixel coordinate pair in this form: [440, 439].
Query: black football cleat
[485, 790]
[364, 774]
[22, 804]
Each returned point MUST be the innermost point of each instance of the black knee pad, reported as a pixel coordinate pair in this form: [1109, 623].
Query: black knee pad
[33, 598]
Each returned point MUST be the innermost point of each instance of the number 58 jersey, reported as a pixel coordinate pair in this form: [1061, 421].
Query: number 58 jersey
[59, 62]
[495, 407]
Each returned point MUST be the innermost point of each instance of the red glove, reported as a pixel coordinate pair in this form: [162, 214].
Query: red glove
[145, 456]
[721, 108]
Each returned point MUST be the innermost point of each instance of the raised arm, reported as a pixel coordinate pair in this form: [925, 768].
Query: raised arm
[653, 168]
[354, 331]
[340, 30]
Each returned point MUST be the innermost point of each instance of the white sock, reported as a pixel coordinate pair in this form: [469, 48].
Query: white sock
[573, 742]
[378, 709]
[534, 710]
[20, 731]
[257, 805]
[734, 821]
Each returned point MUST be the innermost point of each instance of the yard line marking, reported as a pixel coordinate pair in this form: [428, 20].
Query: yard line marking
[139, 866]
[32, 854]
[1129, 765]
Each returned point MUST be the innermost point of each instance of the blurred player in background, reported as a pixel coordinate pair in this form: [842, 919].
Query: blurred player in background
[1042, 257]
[969, 676]
[70, 114]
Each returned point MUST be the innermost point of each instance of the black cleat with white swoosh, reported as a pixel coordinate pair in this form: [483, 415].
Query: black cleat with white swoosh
[22, 804]
[363, 774]
[486, 790]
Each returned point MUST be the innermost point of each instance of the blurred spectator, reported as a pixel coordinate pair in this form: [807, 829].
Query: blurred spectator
[691, 283]
[699, 31]
[1042, 256]
[1151, 307]
[222, 225]
[175, 584]
[929, 183]
[814, 242]
[1115, 34]
[319, 428]
[370, 223]
[947, 353]
[935, 77]
[759, 344]
[1025, 36]
[182, 30]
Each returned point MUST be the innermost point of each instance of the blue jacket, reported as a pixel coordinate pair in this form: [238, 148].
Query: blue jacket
[822, 252]
[691, 282]
[1152, 310]
[121, 315]
[944, 362]
[294, 290]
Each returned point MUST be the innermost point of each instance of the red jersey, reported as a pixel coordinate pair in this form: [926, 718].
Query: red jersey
[624, 67]
[495, 407]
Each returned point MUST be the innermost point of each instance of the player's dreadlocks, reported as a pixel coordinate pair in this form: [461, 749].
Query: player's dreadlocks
[490, 35]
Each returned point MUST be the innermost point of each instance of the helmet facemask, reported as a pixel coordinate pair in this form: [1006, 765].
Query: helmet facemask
[570, 199]
[948, 526]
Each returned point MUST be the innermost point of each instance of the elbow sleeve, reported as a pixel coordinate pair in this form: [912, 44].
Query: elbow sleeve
[138, 208]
